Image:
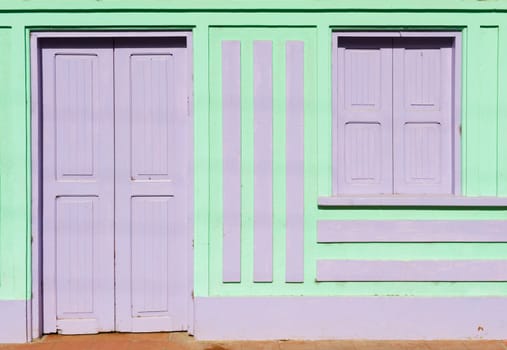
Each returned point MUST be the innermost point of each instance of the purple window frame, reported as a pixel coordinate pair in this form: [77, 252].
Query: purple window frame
[455, 36]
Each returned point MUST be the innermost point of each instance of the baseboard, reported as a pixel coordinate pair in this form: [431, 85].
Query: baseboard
[13, 321]
[263, 318]
[422, 318]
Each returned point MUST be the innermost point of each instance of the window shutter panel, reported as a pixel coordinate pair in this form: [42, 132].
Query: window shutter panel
[422, 116]
[364, 121]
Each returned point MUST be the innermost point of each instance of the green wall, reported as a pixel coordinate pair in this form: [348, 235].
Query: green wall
[14, 166]
[484, 123]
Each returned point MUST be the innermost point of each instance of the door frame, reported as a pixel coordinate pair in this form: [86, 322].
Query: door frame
[34, 319]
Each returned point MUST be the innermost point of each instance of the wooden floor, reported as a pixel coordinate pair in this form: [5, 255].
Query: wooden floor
[181, 341]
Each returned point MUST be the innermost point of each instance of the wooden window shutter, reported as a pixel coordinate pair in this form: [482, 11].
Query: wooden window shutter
[364, 122]
[422, 116]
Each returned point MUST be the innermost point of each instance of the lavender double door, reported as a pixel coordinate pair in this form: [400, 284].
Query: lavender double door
[114, 115]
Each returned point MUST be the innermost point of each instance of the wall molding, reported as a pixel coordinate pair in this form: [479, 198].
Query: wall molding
[412, 270]
[337, 231]
[231, 160]
[299, 5]
[295, 62]
[264, 318]
[411, 201]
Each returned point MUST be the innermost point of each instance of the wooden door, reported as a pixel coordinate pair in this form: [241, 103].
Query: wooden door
[115, 171]
[151, 89]
[78, 186]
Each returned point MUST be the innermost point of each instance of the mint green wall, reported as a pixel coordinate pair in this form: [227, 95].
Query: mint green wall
[484, 119]
[14, 166]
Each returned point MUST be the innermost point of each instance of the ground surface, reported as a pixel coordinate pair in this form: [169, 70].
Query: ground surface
[181, 341]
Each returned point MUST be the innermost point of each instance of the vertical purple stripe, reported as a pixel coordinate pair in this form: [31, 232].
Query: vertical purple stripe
[231, 138]
[263, 161]
[294, 86]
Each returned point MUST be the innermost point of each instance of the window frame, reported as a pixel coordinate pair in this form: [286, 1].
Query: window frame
[455, 36]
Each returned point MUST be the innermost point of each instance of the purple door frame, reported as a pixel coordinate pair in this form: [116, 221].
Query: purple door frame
[34, 306]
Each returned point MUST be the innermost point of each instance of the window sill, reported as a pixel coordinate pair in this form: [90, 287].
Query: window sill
[413, 201]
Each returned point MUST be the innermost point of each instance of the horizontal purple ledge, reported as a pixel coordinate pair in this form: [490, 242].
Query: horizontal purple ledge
[428, 201]
[411, 271]
[338, 231]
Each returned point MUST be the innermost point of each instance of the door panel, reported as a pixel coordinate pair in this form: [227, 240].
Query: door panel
[78, 207]
[75, 233]
[151, 91]
[150, 232]
[151, 108]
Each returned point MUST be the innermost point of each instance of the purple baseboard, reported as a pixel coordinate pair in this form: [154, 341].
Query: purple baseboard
[13, 321]
[407, 318]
